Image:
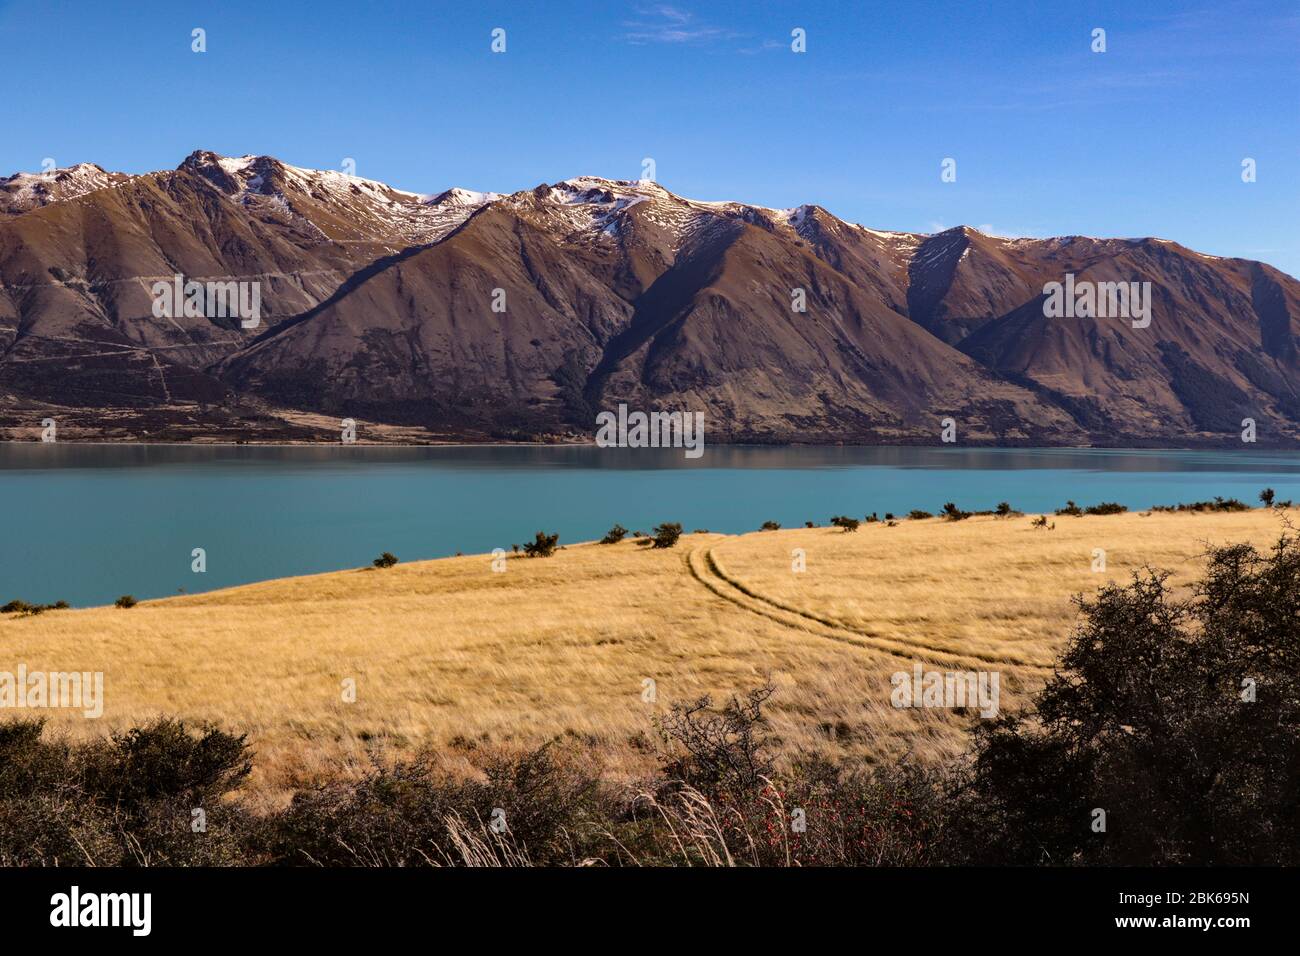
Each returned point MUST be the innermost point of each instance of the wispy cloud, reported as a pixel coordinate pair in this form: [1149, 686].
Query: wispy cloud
[663, 23]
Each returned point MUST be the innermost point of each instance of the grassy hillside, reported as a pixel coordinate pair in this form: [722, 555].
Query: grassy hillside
[451, 654]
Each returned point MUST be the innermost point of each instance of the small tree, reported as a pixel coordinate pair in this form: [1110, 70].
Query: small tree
[125, 601]
[953, 513]
[1266, 496]
[1003, 509]
[845, 522]
[614, 535]
[385, 560]
[666, 534]
[770, 526]
[543, 546]
[719, 752]
[1175, 715]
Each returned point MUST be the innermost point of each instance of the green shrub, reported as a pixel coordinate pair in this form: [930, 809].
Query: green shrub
[845, 522]
[916, 514]
[385, 560]
[1106, 508]
[952, 513]
[125, 601]
[770, 526]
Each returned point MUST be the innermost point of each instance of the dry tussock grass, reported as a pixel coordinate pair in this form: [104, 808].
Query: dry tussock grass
[450, 655]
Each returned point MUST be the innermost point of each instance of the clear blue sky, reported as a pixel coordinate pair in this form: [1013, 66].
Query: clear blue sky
[1049, 138]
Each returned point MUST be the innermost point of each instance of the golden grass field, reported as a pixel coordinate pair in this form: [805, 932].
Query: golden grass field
[449, 654]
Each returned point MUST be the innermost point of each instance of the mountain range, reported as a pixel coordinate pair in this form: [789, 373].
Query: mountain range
[481, 316]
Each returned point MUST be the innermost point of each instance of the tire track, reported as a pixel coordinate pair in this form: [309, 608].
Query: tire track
[704, 568]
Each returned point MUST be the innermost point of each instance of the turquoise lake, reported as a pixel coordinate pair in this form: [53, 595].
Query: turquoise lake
[87, 523]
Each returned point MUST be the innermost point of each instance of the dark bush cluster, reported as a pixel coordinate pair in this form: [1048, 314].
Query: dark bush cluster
[542, 546]
[614, 535]
[845, 522]
[1178, 718]
[23, 609]
[152, 796]
[1218, 504]
[666, 534]
[1103, 508]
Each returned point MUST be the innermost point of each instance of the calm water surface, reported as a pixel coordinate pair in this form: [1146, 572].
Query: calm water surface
[87, 523]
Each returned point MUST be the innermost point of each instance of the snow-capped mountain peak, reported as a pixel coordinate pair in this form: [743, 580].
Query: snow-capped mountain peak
[23, 191]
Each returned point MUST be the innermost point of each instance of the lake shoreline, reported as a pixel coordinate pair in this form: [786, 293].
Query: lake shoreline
[97, 521]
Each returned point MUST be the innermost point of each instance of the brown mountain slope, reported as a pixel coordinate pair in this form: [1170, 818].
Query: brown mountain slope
[480, 315]
[1219, 347]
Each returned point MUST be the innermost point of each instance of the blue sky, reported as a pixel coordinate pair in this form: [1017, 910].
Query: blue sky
[1049, 137]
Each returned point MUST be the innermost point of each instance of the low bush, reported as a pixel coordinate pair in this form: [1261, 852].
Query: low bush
[614, 535]
[542, 546]
[1218, 504]
[24, 609]
[666, 534]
